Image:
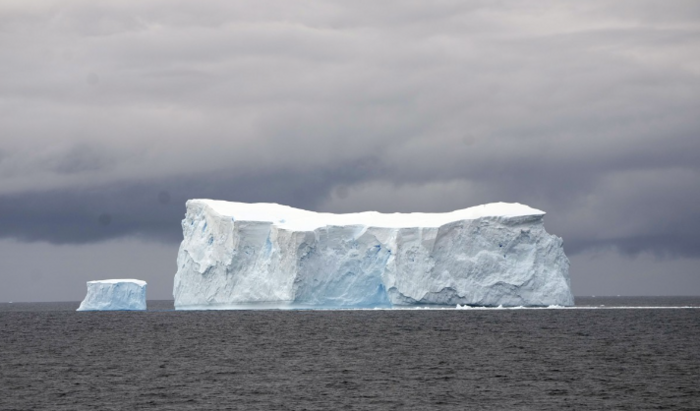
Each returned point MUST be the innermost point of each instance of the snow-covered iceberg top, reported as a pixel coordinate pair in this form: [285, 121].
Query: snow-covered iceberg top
[238, 255]
[291, 218]
[115, 295]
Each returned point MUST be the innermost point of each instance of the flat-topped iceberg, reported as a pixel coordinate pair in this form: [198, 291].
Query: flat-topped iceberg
[115, 295]
[238, 255]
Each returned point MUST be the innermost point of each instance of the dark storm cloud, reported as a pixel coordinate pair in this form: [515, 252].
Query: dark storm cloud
[115, 113]
[80, 158]
[153, 210]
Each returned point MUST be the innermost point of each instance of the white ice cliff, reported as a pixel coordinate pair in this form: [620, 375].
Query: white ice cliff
[238, 255]
[115, 295]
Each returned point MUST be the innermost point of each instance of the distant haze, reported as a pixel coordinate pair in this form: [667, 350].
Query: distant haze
[114, 113]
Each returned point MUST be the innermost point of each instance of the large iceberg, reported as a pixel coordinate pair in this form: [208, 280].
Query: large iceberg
[239, 255]
[115, 295]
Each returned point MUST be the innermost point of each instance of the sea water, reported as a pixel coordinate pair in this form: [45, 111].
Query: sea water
[625, 353]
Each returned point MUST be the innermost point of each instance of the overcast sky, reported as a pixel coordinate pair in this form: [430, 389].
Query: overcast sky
[114, 113]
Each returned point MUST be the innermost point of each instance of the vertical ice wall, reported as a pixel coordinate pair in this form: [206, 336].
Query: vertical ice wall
[114, 295]
[235, 254]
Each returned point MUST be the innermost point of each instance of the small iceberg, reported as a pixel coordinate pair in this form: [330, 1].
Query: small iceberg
[115, 295]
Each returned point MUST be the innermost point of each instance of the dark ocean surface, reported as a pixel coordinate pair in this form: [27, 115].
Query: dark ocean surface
[594, 357]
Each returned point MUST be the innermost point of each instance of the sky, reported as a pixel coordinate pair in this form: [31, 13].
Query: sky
[114, 113]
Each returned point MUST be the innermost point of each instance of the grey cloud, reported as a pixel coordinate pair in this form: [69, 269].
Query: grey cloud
[49, 272]
[604, 272]
[80, 158]
[653, 212]
[588, 111]
[152, 210]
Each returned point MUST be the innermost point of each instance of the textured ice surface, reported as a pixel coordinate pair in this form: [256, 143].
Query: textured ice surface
[238, 255]
[113, 295]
